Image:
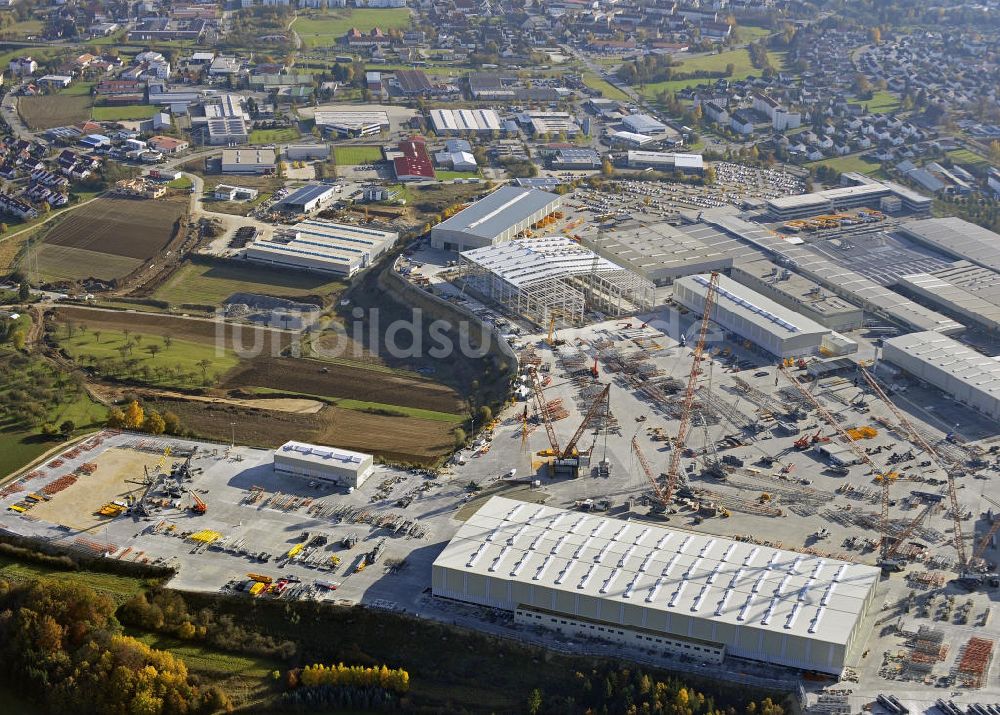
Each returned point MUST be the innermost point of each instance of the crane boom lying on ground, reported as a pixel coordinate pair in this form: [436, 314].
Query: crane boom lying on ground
[543, 415]
[673, 470]
[881, 475]
[958, 537]
[648, 471]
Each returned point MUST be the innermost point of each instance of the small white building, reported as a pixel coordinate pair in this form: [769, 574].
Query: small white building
[226, 192]
[329, 464]
[307, 152]
[22, 66]
[55, 80]
[248, 161]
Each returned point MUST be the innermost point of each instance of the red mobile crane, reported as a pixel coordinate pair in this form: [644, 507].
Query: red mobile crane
[673, 469]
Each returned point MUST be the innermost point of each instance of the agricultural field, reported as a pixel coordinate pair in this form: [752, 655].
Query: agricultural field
[108, 238]
[607, 90]
[355, 155]
[118, 114]
[274, 136]
[740, 59]
[413, 440]
[54, 110]
[205, 283]
[327, 28]
[328, 380]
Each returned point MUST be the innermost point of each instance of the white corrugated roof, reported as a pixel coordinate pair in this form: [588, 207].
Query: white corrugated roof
[656, 567]
[529, 260]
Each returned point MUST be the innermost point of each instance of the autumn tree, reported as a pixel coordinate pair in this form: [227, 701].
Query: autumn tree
[116, 418]
[154, 423]
[134, 415]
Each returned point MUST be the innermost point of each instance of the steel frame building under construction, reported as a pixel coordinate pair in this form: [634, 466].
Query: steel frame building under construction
[553, 277]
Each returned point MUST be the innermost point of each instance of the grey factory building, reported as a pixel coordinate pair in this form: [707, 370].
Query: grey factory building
[649, 587]
[956, 237]
[659, 251]
[963, 289]
[499, 217]
[800, 294]
[954, 368]
[771, 327]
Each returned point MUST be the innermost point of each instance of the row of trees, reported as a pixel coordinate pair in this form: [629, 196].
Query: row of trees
[61, 644]
[136, 417]
[396, 680]
[609, 689]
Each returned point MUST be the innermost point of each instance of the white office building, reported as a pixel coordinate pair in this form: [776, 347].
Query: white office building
[329, 464]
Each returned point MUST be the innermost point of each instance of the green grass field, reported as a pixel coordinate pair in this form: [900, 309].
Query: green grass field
[25, 28]
[78, 89]
[182, 183]
[607, 90]
[354, 155]
[740, 59]
[208, 661]
[175, 365]
[206, 284]
[120, 587]
[273, 136]
[20, 444]
[448, 175]
[851, 162]
[882, 101]
[118, 114]
[325, 29]
[749, 33]
[968, 159]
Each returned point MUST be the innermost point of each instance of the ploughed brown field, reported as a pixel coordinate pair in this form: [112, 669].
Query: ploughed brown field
[313, 377]
[399, 439]
[132, 228]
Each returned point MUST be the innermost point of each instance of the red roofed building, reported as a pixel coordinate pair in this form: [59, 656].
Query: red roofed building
[415, 163]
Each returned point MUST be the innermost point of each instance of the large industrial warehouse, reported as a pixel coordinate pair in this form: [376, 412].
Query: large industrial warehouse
[340, 466]
[553, 277]
[772, 327]
[498, 217]
[651, 587]
[957, 370]
[958, 238]
[323, 246]
[963, 289]
[660, 252]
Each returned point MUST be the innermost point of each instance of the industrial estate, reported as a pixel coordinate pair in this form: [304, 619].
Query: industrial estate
[580, 335]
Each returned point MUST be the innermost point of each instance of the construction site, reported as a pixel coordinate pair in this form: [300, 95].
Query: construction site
[665, 422]
[665, 419]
